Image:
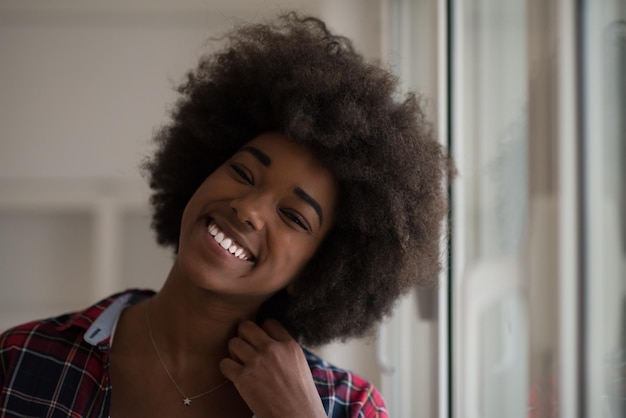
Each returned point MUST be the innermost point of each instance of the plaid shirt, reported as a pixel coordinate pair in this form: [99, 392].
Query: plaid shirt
[58, 367]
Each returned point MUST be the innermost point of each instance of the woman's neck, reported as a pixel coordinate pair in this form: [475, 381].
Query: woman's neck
[192, 326]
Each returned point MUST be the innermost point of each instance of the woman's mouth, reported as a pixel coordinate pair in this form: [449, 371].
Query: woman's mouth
[229, 244]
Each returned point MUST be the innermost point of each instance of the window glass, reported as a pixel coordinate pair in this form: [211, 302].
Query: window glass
[604, 58]
[490, 206]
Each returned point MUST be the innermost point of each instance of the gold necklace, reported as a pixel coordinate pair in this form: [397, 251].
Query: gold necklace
[186, 399]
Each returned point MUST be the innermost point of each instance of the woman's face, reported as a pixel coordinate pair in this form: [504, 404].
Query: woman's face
[255, 222]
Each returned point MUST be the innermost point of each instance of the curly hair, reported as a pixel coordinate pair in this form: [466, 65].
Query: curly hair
[294, 76]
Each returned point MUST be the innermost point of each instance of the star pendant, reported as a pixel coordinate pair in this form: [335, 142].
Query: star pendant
[187, 401]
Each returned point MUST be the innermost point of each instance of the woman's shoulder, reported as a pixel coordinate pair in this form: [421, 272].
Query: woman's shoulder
[42, 341]
[343, 391]
[31, 332]
[62, 329]
[329, 374]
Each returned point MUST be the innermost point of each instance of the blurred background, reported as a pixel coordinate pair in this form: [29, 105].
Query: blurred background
[529, 319]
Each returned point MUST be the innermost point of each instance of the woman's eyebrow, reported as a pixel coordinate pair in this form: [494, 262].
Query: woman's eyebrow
[312, 202]
[264, 159]
[258, 154]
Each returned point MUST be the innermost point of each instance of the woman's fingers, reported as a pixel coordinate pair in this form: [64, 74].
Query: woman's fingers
[231, 369]
[270, 372]
[253, 334]
[252, 339]
[240, 350]
[275, 330]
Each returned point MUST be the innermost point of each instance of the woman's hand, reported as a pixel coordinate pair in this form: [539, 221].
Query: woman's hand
[268, 368]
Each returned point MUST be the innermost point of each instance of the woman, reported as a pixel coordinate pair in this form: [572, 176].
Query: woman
[301, 200]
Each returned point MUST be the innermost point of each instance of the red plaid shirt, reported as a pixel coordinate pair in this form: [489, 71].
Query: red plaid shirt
[58, 367]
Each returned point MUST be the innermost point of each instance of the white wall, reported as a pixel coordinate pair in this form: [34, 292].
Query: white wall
[82, 86]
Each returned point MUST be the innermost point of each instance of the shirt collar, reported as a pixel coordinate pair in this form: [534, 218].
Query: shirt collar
[98, 320]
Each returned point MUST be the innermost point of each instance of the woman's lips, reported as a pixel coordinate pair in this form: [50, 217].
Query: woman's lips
[228, 243]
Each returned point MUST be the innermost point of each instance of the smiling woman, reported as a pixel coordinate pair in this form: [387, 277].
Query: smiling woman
[268, 202]
[301, 200]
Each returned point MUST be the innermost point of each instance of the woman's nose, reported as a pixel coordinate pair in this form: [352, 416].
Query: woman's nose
[251, 209]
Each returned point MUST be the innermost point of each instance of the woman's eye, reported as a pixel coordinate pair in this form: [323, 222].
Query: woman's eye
[243, 174]
[297, 219]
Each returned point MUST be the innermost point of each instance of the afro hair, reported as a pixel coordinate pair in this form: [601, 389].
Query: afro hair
[294, 76]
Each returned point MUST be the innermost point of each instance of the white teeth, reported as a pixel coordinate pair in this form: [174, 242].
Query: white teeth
[226, 243]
